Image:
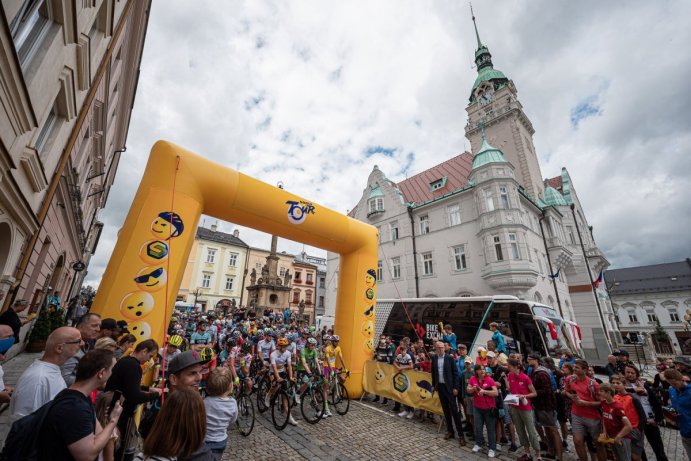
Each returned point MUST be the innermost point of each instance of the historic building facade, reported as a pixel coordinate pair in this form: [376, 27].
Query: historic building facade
[215, 271]
[256, 260]
[320, 284]
[487, 223]
[650, 298]
[69, 73]
[304, 288]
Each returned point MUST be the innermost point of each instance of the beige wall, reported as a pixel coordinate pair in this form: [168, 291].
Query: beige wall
[257, 259]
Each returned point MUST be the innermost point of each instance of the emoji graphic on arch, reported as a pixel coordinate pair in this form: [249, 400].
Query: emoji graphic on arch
[370, 278]
[369, 294]
[369, 346]
[151, 279]
[379, 376]
[367, 328]
[140, 329]
[154, 252]
[370, 312]
[136, 305]
[425, 390]
[167, 225]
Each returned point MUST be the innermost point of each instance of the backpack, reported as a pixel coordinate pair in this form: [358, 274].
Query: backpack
[591, 386]
[21, 443]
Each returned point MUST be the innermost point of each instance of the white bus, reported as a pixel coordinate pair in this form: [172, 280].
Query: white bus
[527, 326]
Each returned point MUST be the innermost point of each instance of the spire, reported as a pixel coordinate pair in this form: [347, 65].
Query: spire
[479, 43]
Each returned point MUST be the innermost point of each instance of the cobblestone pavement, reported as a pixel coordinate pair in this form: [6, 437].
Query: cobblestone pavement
[369, 431]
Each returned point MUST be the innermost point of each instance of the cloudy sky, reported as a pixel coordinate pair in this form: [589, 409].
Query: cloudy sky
[315, 93]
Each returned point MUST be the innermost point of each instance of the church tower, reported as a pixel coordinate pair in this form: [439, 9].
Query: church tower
[494, 104]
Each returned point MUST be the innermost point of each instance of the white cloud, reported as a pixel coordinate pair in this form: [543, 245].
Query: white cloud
[296, 91]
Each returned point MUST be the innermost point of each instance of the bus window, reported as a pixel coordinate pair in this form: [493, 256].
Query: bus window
[530, 338]
[554, 346]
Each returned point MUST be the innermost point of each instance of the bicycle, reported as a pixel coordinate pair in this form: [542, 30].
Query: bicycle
[279, 402]
[245, 421]
[338, 394]
[312, 404]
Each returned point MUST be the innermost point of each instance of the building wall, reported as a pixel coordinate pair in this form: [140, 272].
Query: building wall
[256, 260]
[304, 287]
[67, 103]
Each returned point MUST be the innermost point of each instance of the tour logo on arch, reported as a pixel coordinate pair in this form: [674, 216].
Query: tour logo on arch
[298, 211]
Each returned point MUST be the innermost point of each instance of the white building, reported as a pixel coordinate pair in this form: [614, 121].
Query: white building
[487, 223]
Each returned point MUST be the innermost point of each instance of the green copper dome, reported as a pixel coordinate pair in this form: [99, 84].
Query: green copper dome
[487, 74]
[375, 192]
[487, 154]
[553, 197]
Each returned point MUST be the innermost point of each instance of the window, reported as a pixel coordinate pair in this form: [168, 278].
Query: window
[309, 277]
[497, 248]
[380, 271]
[281, 271]
[539, 262]
[513, 244]
[49, 127]
[258, 266]
[396, 267]
[503, 197]
[438, 184]
[652, 318]
[427, 265]
[489, 200]
[29, 28]
[569, 232]
[394, 230]
[424, 224]
[321, 301]
[459, 261]
[322, 282]
[673, 315]
[233, 259]
[229, 283]
[454, 213]
[298, 276]
[206, 281]
[633, 318]
[376, 204]
[308, 297]
[296, 296]
[538, 297]
[210, 255]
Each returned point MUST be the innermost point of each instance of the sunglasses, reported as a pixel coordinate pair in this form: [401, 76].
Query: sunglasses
[145, 278]
[76, 341]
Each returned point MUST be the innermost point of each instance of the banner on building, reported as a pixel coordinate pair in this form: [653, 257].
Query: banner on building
[410, 387]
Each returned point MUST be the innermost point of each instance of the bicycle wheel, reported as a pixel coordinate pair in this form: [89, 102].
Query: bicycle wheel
[279, 415]
[262, 391]
[340, 399]
[312, 405]
[245, 421]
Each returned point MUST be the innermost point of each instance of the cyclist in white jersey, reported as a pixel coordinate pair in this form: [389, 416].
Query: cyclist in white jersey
[281, 362]
[265, 347]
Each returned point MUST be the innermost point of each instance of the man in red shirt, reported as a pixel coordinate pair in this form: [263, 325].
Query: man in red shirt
[521, 386]
[585, 416]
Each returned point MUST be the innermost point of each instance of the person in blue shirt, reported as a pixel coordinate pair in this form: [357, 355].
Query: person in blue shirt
[680, 394]
[497, 337]
[449, 337]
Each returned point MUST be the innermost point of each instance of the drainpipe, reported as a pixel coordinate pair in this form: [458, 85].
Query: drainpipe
[549, 262]
[412, 233]
[590, 274]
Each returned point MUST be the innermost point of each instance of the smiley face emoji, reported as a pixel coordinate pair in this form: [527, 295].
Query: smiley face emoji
[369, 346]
[379, 376]
[140, 329]
[369, 294]
[137, 305]
[424, 389]
[370, 278]
[369, 312]
[167, 225]
[153, 252]
[367, 328]
[151, 279]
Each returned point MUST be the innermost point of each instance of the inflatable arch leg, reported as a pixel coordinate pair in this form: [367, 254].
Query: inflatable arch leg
[155, 241]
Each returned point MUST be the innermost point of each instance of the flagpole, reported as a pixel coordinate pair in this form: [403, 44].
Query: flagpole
[551, 271]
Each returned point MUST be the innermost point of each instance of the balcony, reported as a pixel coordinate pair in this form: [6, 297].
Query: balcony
[510, 275]
[559, 252]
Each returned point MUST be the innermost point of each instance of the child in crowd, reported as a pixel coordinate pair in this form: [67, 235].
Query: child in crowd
[615, 425]
[221, 410]
[634, 412]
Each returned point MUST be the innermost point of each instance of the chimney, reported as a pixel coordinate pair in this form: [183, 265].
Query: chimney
[214, 227]
[236, 233]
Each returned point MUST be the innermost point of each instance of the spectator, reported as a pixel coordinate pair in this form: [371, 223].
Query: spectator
[69, 431]
[466, 399]
[484, 391]
[651, 407]
[88, 325]
[521, 386]
[481, 358]
[125, 345]
[404, 361]
[109, 329]
[179, 433]
[11, 319]
[221, 410]
[6, 342]
[127, 378]
[634, 412]
[445, 381]
[79, 312]
[545, 405]
[622, 360]
[611, 367]
[585, 402]
[680, 395]
[683, 366]
[106, 343]
[616, 425]
[42, 381]
[102, 418]
[564, 412]
[449, 336]
[497, 337]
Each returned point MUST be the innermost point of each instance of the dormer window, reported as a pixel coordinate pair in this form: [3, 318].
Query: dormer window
[376, 204]
[438, 184]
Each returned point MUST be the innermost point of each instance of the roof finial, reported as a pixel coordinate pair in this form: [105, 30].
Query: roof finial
[479, 43]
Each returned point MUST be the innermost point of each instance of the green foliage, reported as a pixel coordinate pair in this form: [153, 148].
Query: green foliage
[42, 327]
[659, 334]
[57, 318]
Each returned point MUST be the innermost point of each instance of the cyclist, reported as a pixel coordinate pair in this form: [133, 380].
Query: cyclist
[280, 360]
[333, 351]
[308, 364]
[201, 338]
[208, 364]
[266, 346]
[172, 349]
[239, 364]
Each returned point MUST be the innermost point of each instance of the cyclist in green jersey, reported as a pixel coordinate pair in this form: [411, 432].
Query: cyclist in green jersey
[308, 364]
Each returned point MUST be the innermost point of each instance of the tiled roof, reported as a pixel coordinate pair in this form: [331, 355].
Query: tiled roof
[555, 182]
[650, 279]
[219, 237]
[456, 170]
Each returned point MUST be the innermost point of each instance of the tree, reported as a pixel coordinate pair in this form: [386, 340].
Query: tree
[41, 328]
[659, 334]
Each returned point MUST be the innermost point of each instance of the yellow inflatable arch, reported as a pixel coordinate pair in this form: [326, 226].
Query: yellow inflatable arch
[155, 241]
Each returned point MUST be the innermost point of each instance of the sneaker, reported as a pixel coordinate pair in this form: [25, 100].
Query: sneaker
[490, 454]
[477, 448]
[292, 421]
[297, 399]
[403, 413]
[326, 414]
[410, 415]
[513, 448]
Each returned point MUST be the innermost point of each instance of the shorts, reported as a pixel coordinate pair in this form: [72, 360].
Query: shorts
[580, 425]
[326, 371]
[546, 418]
[637, 442]
[303, 377]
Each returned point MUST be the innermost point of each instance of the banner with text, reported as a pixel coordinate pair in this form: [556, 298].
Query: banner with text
[410, 387]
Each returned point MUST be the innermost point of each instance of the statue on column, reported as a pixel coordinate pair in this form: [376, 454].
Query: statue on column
[253, 277]
[286, 278]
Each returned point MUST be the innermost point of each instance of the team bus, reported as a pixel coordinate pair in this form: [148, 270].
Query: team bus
[526, 326]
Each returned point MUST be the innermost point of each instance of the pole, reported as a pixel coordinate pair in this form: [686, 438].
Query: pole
[477, 333]
[549, 262]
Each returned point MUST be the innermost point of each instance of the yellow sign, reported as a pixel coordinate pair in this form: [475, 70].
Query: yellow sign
[410, 387]
[148, 262]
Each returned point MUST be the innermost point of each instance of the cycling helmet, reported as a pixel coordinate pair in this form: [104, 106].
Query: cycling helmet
[246, 347]
[237, 334]
[175, 340]
[231, 342]
[312, 342]
[207, 354]
[313, 329]
[327, 338]
[283, 342]
[335, 338]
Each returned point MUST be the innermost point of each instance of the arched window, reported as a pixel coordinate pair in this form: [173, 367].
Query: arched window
[538, 297]
[550, 301]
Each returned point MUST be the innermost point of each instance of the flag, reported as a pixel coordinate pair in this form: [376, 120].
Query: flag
[598, 280]
[554, 276]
